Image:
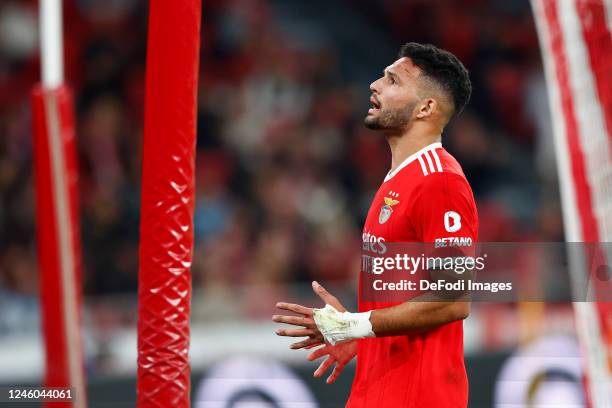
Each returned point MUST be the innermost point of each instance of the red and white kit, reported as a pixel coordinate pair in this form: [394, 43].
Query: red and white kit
[426, 198]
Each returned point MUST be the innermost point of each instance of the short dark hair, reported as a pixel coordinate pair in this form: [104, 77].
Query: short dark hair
[443, 68]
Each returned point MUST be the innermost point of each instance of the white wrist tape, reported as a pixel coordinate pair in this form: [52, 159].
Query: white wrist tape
[339, 326]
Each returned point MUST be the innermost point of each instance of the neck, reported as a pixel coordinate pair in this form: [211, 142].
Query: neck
[404, 144]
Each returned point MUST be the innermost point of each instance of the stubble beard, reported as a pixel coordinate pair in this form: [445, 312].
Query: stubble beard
[389, 119]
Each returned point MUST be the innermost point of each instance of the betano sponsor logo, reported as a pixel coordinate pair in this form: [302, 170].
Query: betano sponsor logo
[452, 242]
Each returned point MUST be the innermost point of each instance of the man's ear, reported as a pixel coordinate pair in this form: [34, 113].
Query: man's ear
[426, 108]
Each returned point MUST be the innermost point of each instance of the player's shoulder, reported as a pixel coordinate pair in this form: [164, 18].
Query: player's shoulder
[447, 183]
[438, 160]
[437, 166]
[444, 180]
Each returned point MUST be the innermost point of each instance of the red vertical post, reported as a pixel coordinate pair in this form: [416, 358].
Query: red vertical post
[57, 230]
[167, 201]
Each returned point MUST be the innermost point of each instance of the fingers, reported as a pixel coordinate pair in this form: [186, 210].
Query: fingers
[295, 332]
[327, 297]
[318, 353]
[292, 307]
[336, 373]
[308, 343]
[324, 366]
[294, 320]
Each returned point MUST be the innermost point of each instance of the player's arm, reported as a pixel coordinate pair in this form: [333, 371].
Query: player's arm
[442, 211]
[334, 325]
[415, 317]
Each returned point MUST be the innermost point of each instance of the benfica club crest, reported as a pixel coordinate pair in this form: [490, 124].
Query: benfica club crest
[386, 210]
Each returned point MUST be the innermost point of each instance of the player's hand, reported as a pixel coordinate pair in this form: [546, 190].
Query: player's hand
[340, 354]
[304, 319]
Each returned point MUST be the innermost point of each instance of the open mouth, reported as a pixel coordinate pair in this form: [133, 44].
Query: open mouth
[374, 105]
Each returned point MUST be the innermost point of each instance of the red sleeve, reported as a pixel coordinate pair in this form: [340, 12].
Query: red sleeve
[444, 211]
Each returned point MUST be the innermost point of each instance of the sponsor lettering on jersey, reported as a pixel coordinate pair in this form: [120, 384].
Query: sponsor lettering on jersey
[372, 243]
[452, 242]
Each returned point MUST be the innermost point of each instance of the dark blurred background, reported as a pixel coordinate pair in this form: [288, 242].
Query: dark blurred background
[285, 168]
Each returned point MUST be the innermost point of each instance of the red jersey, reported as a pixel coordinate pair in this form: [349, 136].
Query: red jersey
[428, 199]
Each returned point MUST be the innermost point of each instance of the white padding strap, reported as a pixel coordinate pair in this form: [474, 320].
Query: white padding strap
[340, 326]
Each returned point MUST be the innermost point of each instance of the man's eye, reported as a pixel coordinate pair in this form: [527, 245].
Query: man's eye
[391, 80]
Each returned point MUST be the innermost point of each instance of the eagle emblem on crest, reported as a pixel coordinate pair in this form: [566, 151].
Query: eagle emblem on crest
[386, 210]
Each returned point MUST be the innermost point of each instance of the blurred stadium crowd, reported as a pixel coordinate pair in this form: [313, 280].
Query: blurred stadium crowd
[285, 168]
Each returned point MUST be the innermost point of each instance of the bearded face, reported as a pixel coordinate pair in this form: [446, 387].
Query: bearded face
[387, 118]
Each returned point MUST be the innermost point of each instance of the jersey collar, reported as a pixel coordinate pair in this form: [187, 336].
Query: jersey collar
[412, 158]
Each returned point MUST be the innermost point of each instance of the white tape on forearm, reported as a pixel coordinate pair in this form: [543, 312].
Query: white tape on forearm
[340, 326]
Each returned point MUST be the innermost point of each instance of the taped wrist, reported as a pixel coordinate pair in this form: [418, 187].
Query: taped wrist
[340, 326]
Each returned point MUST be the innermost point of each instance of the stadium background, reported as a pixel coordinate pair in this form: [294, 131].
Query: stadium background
[285, 169]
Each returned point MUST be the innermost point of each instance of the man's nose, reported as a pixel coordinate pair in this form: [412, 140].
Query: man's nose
[373, 87]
